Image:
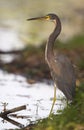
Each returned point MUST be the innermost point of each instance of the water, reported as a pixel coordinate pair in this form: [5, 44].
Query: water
[16, 91]
[9, 40]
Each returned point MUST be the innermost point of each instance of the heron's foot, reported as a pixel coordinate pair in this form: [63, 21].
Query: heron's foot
[54, 100]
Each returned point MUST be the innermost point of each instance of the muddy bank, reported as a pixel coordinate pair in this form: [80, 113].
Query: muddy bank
[31, 63]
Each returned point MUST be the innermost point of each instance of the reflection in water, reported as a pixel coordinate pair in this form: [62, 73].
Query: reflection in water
[15, 91]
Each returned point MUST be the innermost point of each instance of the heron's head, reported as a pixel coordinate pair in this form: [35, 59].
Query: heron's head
[49, 17]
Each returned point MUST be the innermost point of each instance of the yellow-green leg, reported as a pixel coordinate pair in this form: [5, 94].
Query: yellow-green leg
[54, 100]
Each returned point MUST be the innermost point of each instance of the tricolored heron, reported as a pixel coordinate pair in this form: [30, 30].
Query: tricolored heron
[60, 66]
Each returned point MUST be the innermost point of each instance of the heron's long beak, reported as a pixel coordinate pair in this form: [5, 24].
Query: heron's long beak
[40, 18]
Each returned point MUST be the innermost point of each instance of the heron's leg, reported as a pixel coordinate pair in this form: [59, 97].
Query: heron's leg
[54, 99]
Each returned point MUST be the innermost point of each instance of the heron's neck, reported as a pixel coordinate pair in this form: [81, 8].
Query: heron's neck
[49, 54]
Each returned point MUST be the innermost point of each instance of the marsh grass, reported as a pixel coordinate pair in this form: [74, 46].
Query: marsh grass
[71, 118]
[74, 43]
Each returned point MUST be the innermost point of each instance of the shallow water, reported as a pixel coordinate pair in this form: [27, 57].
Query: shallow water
[9, 40]
[16, 91]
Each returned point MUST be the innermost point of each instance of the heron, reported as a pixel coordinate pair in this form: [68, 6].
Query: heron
[61, 68]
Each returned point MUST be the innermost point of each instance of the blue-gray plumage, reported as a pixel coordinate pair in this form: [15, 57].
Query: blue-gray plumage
[60, 66]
